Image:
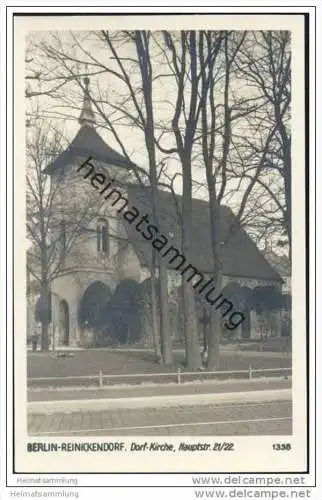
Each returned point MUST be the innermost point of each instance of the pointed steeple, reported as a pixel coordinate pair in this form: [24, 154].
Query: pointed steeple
[87, 116]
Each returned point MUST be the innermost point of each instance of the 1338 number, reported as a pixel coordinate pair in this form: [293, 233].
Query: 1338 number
[282, 446]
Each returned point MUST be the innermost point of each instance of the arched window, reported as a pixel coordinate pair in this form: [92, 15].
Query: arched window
[63, 235]
[102, 236]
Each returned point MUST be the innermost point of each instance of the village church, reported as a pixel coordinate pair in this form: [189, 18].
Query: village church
[97, 296]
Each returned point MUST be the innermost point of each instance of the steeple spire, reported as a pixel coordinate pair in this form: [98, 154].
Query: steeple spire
[87, 116]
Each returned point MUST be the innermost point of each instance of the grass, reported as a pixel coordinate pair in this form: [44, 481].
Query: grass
[90, 362]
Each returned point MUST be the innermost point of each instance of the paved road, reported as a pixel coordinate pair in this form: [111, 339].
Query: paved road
[269, 418]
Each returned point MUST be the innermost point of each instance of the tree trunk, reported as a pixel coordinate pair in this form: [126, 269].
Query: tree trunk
[190, 325]
[215, 329]
[205, 334]
[45, 317]
[288, 194]
[193, 355]
[216, 244]
[154, 317]
[287, 176]
[166, 340]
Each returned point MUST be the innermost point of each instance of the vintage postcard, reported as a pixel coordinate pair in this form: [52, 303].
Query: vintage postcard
[160, 170]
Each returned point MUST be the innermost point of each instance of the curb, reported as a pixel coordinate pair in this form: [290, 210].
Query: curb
[91, 405]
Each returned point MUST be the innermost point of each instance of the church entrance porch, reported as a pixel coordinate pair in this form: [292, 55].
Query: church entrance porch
[109, 319]
[92, 318]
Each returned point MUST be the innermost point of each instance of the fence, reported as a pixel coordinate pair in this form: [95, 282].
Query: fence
[177, 376]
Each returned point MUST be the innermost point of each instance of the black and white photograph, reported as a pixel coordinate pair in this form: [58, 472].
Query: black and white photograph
[162, 292]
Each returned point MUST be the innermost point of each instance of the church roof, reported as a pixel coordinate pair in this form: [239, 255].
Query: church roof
[88, 142]
[279, 262]
[241, 258]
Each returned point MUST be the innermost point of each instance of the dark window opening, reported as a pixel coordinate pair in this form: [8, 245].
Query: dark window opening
[102, 236]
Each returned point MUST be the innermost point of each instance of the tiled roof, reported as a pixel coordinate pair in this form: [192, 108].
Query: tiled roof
[279, 262]
[241, 257]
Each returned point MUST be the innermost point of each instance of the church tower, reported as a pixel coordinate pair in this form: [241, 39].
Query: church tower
[93, 254]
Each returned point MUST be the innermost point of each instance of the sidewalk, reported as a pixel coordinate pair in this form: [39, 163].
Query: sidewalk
[73, 400]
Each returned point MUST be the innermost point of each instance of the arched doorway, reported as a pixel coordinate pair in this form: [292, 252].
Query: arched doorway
[43, 308]
[92, 306]
[64, 322]
[232, 292]
[122, 313]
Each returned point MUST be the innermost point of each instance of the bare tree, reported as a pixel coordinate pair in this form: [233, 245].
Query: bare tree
[135, 77]
[266, 67]
[145, 116]
[182, 59]
[235, 149]
[51, 228]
